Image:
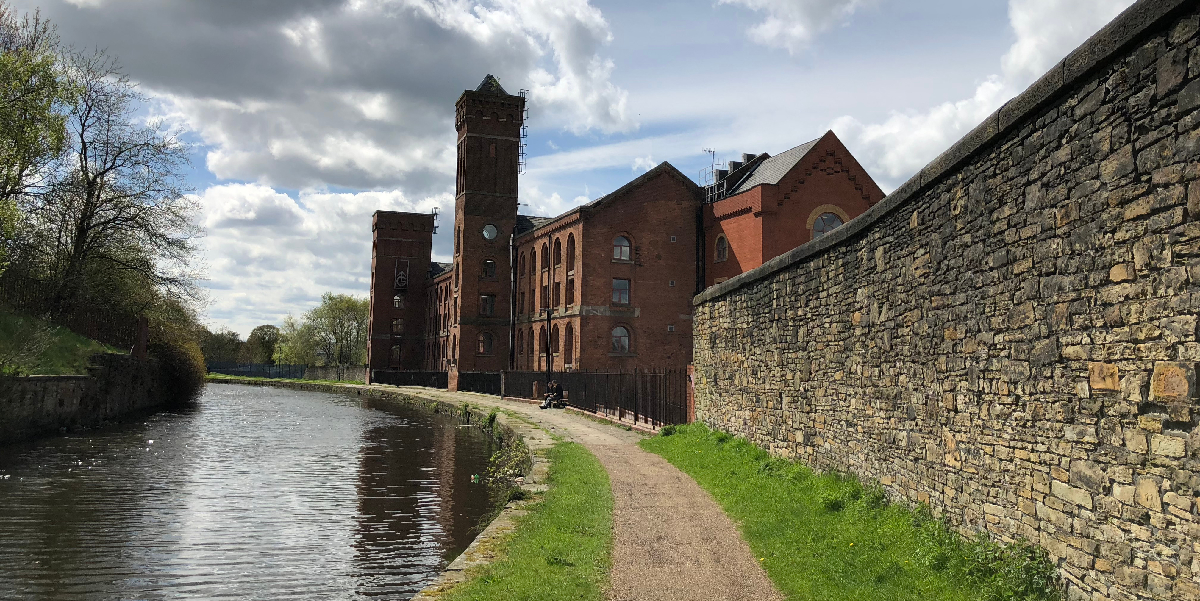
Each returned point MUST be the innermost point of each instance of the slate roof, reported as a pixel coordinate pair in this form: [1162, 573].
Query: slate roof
[436, 269]
[491, 85]
[526, 223]
[771, 170]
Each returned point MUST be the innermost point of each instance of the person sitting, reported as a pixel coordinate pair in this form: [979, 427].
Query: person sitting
[553, 395]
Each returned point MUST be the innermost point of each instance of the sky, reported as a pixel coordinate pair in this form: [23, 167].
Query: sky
[306, 116]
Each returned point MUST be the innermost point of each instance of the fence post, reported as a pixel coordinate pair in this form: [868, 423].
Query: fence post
[637, 395]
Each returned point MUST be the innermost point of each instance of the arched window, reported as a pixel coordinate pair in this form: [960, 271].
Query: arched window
[569, 346]
[486, 342]
[489, 268]
[398, 301]
[452, 350]
[557, 252]
[554, 348]
[570, 253]
[520, 342]
[621, 248]
[824, 224]
[722, 253]
[521, 265]
[620, 340]
[542, 343]
[545, 256]
[531, 349]
[532, 263]
[395, 358]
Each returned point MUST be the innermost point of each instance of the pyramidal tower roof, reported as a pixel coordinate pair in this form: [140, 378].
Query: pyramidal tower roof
[491, 85]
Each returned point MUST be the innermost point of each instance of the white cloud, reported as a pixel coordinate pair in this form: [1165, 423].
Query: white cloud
[645, 163]
[906, 141]
[792, 24]
[270, 254]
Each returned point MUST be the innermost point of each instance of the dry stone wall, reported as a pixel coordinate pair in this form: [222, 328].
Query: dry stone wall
[1010, 337]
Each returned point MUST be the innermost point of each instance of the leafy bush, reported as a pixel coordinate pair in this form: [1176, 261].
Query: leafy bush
[180, 369]
[666, 430]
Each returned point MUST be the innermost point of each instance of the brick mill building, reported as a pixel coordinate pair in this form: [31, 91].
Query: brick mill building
[606, 286]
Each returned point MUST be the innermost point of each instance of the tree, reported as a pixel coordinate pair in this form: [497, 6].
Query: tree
[117, 201]
[33, 93]
[261, 344]
[340, 326]
[297, 343]
[222, 346]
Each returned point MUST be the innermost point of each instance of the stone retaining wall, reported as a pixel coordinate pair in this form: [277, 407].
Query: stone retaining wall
[117, 385]
[1011, 336]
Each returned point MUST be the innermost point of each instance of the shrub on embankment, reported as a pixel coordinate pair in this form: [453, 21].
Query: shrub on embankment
[181, 372]
[829, 536]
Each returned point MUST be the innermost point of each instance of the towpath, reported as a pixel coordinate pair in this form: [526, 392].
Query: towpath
[671, 540]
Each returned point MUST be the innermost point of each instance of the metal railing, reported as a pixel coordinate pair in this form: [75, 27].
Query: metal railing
[655, 397]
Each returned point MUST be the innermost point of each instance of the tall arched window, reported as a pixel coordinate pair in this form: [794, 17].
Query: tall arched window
[569, 346]
[395, 358]
[722, 253]
[557, 252]
[545, 256]
[621, 248]
[542, 343]
[570, 253]
[554, 348]
[532, 262]
[620, 340]
[398, 301]
[521, 265]
[520, 342]
[825, 223]
[532, 351]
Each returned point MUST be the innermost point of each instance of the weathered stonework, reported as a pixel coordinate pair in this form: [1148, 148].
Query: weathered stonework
[1011, 336]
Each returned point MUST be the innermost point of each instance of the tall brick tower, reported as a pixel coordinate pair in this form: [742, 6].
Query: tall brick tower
[488, 121]
[400, 248]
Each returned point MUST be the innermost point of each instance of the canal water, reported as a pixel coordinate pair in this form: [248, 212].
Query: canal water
[257, 493]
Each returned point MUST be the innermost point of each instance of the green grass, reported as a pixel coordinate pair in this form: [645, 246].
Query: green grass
[62, 352]
[218, 377]
[828, 537]
[562, 548]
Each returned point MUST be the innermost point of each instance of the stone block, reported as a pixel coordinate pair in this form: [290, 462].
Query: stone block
[1088, 475]
[1122, 272]
[1070, 494]
[1135, 441]
[1172, 381]
[1123, 493]
[1103, 376]
[1168, 446]
[1146, 494]
[1179, 501]
[1117, 165]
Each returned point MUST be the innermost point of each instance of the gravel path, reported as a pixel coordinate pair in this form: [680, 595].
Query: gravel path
[671, 541]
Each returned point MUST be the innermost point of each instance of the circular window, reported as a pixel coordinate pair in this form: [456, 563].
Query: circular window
[490, 231]
[826, 223]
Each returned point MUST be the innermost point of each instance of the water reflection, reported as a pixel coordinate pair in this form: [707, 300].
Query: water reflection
[261, 493]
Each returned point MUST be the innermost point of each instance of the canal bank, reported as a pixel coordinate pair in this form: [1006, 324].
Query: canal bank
[671, 541]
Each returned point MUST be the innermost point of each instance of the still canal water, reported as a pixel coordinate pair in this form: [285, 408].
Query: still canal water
[257, 493]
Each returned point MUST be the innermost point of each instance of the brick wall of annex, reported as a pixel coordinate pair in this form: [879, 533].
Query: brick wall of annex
[1011, 336]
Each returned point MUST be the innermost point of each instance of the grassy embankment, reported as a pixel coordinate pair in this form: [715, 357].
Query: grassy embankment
[828, 537]
[219, 377]
[562, 548]
[36, 347]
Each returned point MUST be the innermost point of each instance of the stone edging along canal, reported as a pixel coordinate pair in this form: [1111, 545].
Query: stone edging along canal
[507, 430]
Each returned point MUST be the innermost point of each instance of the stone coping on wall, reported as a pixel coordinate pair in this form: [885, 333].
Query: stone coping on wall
[482, 550]
[1119, 34]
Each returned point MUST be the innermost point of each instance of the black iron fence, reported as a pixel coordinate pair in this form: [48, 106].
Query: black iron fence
[112, 327]
[256, 370]
[484, 382]
[429, 379]
[656, 397]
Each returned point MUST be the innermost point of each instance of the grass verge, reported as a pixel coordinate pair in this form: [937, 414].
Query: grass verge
[829, 537]
[37, 347]
[218, 377]
[562, 548]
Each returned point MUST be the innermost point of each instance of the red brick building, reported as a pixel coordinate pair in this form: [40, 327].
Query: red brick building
[605, 286]
[764, 206]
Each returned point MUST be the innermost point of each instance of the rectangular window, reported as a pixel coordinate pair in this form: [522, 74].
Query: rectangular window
[557, 294]
[487, 305]
[670, 328]
[570, 291]
[620, 294]
[521, 302]
[545, 295]
[672, 283]
[397, 327]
